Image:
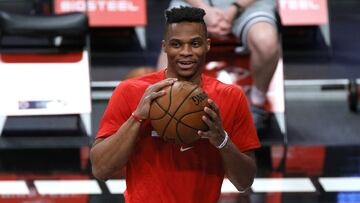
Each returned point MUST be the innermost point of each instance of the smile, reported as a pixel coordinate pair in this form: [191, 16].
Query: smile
[185, 64]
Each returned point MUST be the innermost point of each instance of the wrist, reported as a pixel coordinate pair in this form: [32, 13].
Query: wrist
[136, 117]
[232, 13]
[199, 4]
[224, 142]
[239, 9]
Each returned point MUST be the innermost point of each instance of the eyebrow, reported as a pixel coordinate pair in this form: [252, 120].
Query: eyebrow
[192, 39]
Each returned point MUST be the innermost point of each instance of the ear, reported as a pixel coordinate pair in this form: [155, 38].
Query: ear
[163, 45]
[208, 44]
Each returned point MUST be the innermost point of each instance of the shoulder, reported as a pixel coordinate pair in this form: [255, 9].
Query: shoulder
[141, 82]
[218, 87]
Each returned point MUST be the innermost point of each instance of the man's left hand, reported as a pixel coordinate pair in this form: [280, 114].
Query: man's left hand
[216, 133]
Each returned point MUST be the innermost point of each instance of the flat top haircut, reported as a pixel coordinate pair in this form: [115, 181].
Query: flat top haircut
[185, 14]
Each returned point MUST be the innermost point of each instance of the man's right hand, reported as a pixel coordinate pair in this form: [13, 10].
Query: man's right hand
[152, 92]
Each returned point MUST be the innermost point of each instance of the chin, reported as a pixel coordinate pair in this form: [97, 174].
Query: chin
[186, 74]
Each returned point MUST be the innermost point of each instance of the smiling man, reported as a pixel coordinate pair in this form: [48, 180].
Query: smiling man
[165, 172]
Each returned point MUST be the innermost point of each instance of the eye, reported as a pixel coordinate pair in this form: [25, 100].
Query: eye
[196, 44]
[175, 44]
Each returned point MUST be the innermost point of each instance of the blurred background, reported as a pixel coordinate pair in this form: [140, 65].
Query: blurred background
[57, 74]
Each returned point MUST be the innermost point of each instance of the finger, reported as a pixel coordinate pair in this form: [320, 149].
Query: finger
[224, 30]
[215, 32]
[155, 95]
[204, 135]
[212, 115]
[214, 106]
[228, 19]
[209, 123]
[225, 24]
[220, 12]
[158, 86]
[211, 28]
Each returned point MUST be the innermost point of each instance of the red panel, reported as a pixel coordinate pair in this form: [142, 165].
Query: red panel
[48, 199]
[303, 12]
[41, 58]
[107, 13]
[300, 160]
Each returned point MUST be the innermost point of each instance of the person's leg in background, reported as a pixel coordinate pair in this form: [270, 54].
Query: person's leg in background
[257, 29]
[265, 51]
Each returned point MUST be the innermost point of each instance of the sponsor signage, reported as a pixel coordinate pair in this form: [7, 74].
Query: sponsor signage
[303, 12]
[107, 13]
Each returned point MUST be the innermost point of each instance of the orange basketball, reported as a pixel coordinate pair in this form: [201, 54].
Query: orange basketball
[176, 116]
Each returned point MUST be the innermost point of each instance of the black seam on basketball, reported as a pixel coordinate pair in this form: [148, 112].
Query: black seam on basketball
[162, 116]
[167, 125]
[177, 132]
[179, 120]
[172, 116]
[170, 99]
[162, 108]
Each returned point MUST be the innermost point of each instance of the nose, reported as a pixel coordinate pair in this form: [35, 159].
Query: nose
[186, 50]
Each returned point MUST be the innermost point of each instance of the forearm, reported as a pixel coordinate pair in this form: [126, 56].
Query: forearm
[111, 154]
[233, 10]
[245, 3]
[197, 3]
[239, 167]
[202, 4]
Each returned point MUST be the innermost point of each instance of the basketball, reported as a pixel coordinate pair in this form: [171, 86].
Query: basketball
[176, 116]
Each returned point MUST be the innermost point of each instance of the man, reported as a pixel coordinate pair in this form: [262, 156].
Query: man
[253, 22]
[157, 171]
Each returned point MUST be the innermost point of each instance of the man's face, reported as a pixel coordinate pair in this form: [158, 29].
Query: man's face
[186, 45]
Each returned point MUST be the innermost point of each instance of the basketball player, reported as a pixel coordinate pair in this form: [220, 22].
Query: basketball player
[254, 23]
[157, 171]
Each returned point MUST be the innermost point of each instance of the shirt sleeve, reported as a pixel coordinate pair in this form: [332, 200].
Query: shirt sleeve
[116, 113]
[243, 133]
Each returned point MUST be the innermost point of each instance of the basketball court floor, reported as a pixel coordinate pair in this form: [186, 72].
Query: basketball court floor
[316, 160]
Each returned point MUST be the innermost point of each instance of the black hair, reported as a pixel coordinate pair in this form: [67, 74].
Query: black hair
[185, 14]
